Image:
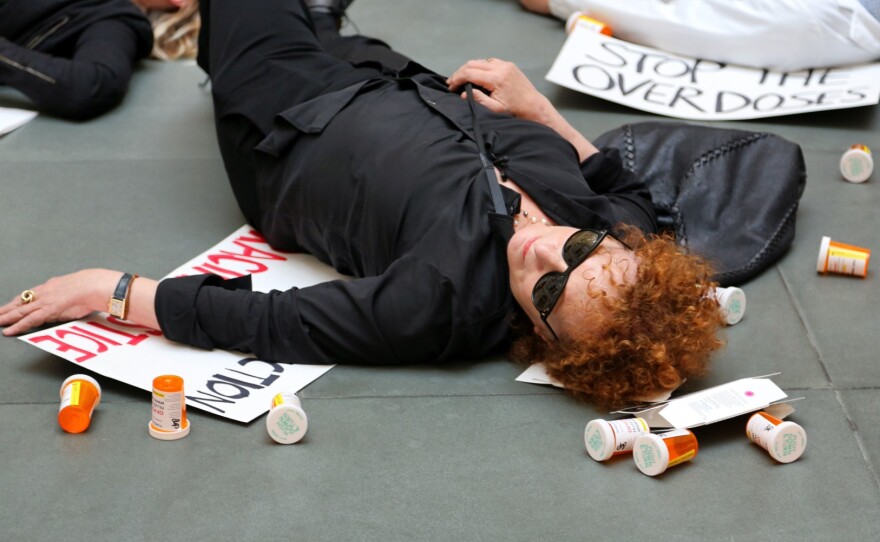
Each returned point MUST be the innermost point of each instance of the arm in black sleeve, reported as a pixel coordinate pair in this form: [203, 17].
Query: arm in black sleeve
[92, 81]
[402, 316]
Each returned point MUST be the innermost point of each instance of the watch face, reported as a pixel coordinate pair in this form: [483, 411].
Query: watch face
[117, 307]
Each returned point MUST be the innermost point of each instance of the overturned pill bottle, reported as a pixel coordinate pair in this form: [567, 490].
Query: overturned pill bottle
[842, 259]
[579, 18]
[168, 421]
[80, 394]
[856, 164]
[731, 303]
[605, 439]
[784, 441]
[286, 422]
[654, 453]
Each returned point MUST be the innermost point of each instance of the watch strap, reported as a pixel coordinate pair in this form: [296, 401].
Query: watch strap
[119, 300]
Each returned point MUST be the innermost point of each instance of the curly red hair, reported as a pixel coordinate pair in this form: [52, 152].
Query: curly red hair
[657, 331]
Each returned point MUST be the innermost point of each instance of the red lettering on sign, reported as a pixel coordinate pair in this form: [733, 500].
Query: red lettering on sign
[95, 336]
[132, 339]
[63, 347]
[227, 263]
[102, 347]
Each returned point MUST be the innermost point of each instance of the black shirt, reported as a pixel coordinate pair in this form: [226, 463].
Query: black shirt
[382, 180]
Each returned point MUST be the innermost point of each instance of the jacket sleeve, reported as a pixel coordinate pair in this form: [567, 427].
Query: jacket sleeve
[92, 81]
[402, 316]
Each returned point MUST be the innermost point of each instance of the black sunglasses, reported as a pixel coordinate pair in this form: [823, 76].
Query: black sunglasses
[575, 251]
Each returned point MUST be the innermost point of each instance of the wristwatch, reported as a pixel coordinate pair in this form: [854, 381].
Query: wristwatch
[119, 299]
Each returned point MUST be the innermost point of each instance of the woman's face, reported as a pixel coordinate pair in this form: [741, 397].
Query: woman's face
[537, 249]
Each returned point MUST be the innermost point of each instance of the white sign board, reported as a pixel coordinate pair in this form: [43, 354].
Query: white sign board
[687, 88]
[229, 384]
[10, 119]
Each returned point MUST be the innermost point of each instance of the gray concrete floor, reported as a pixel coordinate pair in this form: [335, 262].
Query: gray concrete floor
[459, 452]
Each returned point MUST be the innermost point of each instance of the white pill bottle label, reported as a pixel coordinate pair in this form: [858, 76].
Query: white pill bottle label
[167, 410]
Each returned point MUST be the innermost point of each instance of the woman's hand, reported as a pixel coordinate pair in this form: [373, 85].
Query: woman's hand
[538, 6]
[510, 91]
[59, 299]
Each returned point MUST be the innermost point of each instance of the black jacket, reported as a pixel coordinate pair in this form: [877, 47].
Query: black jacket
[382, 181]
[369, 162]
[72, 58]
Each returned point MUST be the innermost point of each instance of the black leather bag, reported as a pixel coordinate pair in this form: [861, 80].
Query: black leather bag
[728, 195]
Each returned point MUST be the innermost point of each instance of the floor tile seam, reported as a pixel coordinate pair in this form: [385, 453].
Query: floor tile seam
[189, 158]
[430, 396]
[863, 448]
[811, 337]
[829, 387]
[323, 398]
[454, 395]
[837, 392]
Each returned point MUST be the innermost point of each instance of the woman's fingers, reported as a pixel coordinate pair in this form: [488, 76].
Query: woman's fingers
[25, 319]
[510, 90]
[17, 314]
[483, 99]
[59, 298]
[483, 73]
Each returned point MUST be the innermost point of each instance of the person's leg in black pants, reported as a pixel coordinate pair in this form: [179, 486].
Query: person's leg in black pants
[361, 50]
[262, 57]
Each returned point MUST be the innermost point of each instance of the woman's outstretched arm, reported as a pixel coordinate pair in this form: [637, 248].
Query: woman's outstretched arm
[74, 296]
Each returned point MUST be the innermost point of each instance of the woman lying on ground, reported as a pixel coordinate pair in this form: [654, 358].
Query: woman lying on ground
[370, 162]
[74, 58]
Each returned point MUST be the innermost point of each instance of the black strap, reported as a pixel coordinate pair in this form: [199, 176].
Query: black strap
[488, 167]
[122, 286]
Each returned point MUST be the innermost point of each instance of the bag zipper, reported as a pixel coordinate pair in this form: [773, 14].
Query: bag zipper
[39, 38]
[16, 65]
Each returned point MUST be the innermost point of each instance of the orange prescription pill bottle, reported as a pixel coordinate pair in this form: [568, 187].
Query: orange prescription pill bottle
[168, 421]
[654, 453]
[579, 18]
[80, 394]
[605, 439]
[784, 441]
[286, 422]
[843, 259]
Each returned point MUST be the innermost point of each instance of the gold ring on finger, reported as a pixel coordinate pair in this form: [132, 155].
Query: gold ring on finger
[27, 296]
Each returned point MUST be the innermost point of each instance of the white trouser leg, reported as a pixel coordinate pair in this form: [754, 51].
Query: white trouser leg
[777, 34]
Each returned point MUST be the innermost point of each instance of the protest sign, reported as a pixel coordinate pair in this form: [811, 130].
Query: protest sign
[229, 384]
[687, 88]
[10, 119]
